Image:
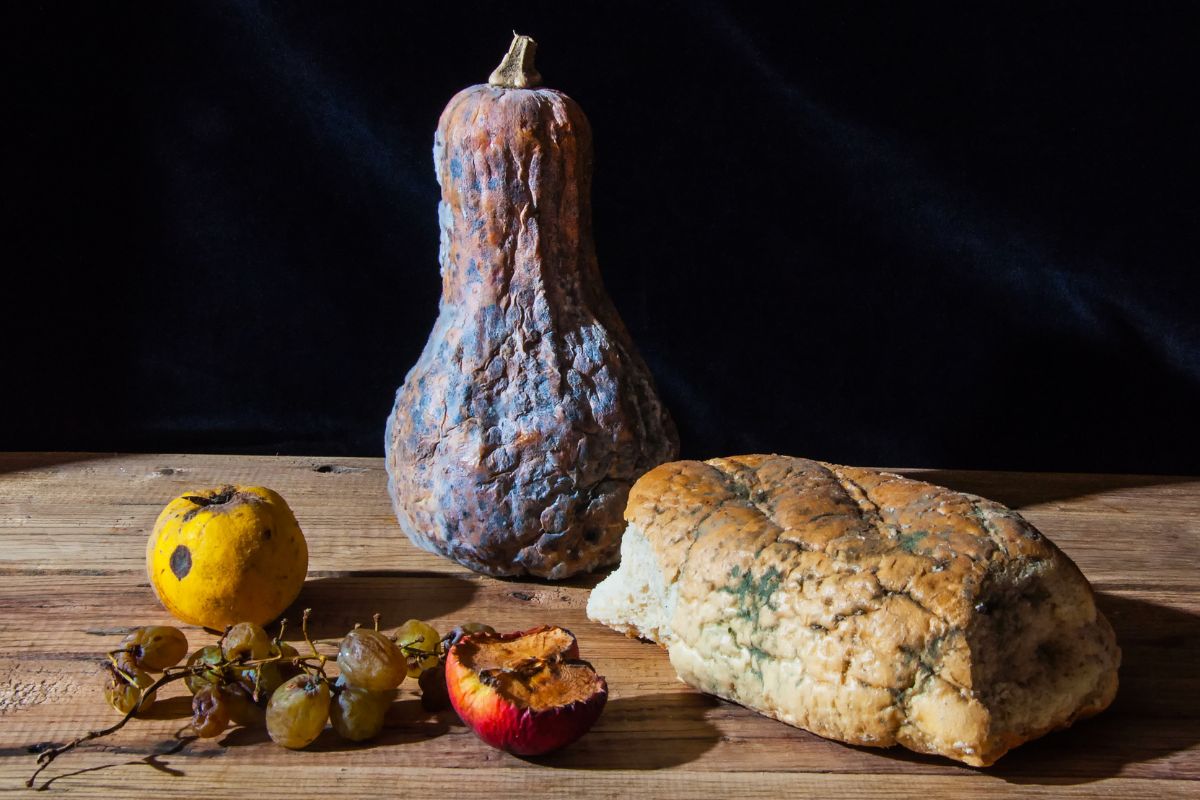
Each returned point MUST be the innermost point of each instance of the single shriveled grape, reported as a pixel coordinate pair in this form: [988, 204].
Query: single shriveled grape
[247, 641]
[418, 641]
[242, 708]
[357, 714]
[434, 694]
[284, 667]
[156, 647]
[298, 711]
[207, 656]
[371, 660]
[126, 682]
[120, 693]
[210, 711]
[262, 680]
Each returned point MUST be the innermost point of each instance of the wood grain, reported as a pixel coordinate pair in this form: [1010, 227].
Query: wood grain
[73, 529]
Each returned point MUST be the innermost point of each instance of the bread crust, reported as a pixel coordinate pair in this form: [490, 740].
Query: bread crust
[863, 606]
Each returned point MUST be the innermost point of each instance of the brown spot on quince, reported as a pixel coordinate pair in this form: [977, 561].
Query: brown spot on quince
[181, 561]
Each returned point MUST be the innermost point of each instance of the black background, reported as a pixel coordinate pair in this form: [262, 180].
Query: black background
[959, 235]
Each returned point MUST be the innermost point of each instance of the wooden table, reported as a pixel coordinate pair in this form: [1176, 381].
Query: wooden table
[73, 529]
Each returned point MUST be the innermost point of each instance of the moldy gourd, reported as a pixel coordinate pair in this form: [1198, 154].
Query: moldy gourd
[515, 439]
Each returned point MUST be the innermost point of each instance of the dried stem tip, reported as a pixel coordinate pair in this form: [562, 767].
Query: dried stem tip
[516, 71]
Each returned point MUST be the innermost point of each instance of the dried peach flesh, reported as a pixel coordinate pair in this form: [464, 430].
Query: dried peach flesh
[539, 670]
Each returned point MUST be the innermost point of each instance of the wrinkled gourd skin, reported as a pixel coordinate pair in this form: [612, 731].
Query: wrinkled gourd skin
[515, 439]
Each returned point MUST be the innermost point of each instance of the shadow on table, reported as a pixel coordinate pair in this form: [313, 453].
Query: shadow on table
[177, 707]
[339, 601]
[667, 729]
[406, 723]
[1021, 489]
[586, 580]
[183, 737]
[1156, 713]
[648, 731]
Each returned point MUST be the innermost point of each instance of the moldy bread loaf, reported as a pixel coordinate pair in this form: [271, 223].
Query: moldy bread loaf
[862, 606]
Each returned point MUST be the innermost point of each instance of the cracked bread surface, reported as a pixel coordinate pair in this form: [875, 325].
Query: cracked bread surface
[860, 605]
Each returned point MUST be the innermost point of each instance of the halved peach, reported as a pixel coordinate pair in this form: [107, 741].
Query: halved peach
[526, 692]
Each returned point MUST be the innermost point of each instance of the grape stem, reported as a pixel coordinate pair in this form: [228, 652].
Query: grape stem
[409, 648]
[47, 756]
[221, 641]
[112, 664]
[316, 653]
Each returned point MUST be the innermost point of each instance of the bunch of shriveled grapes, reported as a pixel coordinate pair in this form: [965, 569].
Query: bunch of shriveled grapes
[248, 678]
[371, 666]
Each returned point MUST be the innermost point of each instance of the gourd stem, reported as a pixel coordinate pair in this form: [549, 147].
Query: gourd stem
[516, 71]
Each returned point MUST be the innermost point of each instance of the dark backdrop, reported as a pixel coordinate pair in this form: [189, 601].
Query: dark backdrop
[957, 235]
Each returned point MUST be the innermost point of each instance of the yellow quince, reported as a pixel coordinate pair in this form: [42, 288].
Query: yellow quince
[226, 555]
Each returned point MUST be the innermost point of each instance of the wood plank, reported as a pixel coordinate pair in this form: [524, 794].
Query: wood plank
[72, 536]
[352, 774]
